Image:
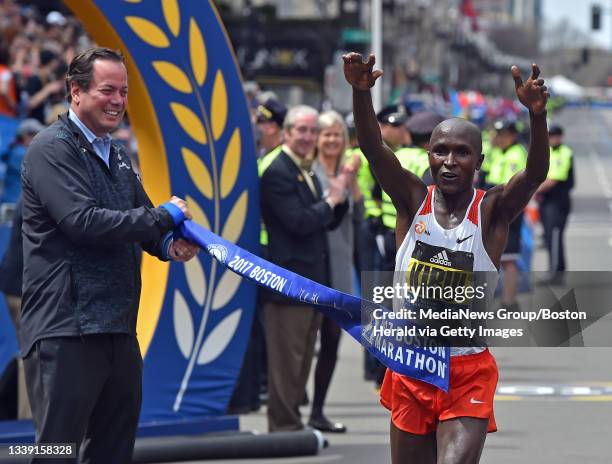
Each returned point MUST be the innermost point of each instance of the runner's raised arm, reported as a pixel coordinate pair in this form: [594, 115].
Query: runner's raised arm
[515, 195]
[405, 189]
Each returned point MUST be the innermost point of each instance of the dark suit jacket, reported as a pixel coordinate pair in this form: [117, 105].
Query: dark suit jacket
[296, 221]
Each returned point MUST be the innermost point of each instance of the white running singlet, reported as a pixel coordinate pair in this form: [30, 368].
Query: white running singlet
[431, 255]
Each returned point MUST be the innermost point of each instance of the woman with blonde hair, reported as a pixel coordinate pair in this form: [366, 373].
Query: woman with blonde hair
[329, 163]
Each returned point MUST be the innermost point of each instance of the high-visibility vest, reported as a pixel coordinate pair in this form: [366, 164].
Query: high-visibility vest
[487, 148]
[561, 169]
[266, 160]
[504, 164]
[367, 183]
[413, 159]
[560, 163]
[264, 163]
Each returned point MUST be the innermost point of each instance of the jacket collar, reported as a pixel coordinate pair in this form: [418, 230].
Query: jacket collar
[82, 140]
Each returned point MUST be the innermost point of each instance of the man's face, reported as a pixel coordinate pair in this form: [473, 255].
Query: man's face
[102, 106]
[555, 140]
[302, 136]
[270, 134]
[268, 128]
[505, 139]
[394, 136]
[454, 156]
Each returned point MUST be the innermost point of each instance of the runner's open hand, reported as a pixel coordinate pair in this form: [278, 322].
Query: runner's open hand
[359, 73]
[532, 93]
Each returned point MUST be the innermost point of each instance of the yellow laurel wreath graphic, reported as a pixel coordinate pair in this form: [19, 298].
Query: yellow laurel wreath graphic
[148, 31]
[197, 213]
[198, 172]
[217, 341]
[189, 121]
[204, 126]
[219, 105]
[196, 280]
[236, 219]
[183, 324]
[197, 52]
[231, 164]
[173, 76]
[226, 289]
[171, 15]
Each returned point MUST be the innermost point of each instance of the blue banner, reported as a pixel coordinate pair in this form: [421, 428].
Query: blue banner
[392, 341]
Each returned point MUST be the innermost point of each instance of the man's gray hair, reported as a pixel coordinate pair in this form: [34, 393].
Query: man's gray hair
[293, 113]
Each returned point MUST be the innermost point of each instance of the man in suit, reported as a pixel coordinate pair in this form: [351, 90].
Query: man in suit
[296, 214]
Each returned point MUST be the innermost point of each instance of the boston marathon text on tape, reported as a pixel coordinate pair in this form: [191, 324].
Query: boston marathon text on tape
[351, 313]
[259, 274]
[397, 345]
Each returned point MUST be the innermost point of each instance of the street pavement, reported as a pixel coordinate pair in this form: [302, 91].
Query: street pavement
[554, 405]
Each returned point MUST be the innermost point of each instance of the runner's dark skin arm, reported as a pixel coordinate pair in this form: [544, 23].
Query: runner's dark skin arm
[503, 203]
[406, 190]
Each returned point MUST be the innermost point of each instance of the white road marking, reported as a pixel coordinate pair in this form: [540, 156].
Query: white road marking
[602, 178]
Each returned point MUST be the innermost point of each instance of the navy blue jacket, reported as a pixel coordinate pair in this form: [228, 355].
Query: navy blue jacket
[84, 225]
[297, 221]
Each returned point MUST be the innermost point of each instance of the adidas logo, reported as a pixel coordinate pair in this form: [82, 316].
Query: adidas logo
[441, 258]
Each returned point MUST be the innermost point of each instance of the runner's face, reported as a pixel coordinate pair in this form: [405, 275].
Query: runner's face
[453, 160]
[302, 136]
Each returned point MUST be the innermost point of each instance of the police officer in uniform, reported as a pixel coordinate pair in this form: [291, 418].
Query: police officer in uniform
[269, 118]
[555, 203]
[507, 158]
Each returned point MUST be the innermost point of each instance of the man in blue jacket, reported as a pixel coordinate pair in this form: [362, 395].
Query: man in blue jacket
[86, 218]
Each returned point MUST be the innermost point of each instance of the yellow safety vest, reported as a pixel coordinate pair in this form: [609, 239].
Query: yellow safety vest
[366, 182]
[264, 163]
[413, 159]
[560, 163]
[504, 164]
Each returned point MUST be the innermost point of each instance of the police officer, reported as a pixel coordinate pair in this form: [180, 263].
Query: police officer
[507, 158]
[269, 119]
[555, 203]
[413, 158]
